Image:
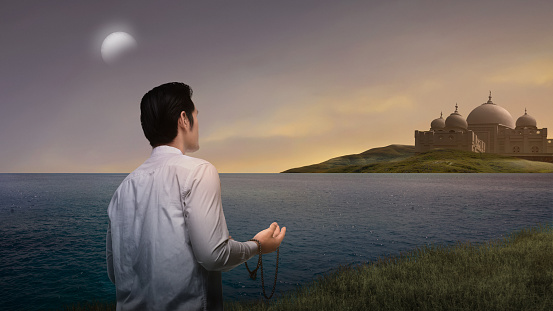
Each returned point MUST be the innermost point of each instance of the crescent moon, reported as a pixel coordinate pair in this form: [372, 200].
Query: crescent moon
[115, 45]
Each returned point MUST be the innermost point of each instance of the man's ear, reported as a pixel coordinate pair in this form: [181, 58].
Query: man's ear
[183, 120]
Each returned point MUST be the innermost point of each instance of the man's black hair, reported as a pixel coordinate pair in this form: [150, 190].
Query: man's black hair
[160, 110]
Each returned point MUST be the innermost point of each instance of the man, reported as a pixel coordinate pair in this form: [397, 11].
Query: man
[167, 239]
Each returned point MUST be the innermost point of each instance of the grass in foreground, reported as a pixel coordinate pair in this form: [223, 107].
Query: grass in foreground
[514, 273]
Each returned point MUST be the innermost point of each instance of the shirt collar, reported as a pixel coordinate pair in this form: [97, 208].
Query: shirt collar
[164, 149]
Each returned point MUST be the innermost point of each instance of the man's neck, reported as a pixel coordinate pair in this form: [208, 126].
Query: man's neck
[177, 144]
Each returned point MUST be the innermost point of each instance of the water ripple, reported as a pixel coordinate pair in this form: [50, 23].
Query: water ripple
[52, 226]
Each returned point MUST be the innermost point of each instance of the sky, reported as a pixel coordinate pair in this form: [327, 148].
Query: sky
[279, 84]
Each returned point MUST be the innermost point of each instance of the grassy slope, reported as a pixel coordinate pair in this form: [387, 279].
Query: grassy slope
[402, 159]
[515, 273]
[390, 153]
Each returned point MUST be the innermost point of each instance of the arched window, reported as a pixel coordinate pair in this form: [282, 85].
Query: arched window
[516, 149]
[535, 149]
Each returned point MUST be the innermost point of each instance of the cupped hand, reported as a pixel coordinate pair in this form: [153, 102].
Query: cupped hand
[270, 238]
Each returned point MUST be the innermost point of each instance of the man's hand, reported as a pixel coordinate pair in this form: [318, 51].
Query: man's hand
[270, 238]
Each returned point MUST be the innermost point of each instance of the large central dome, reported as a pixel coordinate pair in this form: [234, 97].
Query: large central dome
[490, 113]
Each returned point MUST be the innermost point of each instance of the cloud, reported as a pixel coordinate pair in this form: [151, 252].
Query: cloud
[316, 115]
[305, 140]
[536, 72]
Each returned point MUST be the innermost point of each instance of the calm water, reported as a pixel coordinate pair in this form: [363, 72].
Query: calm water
[52, 226]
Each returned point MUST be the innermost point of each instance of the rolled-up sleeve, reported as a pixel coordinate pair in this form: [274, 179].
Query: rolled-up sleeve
[206, 224]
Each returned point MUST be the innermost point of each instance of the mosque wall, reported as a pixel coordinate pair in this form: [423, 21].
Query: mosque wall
[429, 140]
[524, 141]
[486, 133]
[549, 146]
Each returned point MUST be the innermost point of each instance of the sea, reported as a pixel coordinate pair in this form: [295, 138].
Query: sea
[53, 226]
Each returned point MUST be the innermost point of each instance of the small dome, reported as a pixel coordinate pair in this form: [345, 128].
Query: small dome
[490, 113]
[437, 124]
[455, 120]
[526, 120]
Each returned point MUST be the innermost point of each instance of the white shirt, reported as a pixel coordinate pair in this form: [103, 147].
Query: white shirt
[167, 238]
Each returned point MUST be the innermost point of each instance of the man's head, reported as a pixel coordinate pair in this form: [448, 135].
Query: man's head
[160, 111]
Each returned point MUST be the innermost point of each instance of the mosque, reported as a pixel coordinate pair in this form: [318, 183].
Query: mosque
[488, 128]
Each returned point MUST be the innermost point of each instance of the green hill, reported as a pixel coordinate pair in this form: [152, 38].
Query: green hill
[377, 155]
[403, 159]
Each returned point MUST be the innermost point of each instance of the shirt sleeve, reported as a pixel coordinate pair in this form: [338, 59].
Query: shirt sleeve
[206, 224]
[109, 255]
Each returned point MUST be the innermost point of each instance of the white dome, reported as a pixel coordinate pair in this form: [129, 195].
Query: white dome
[437, 123]
[490, 113]
[526, 121]
[455, 120]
